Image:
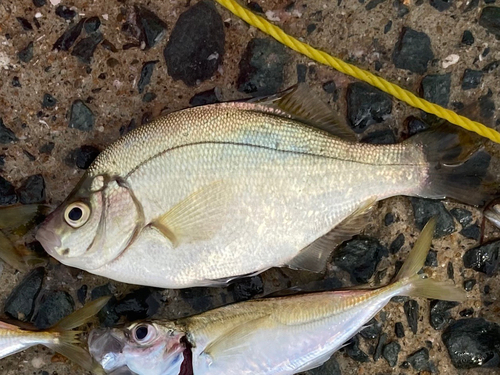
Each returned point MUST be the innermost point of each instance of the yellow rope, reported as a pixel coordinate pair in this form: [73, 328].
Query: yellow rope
[324, 58]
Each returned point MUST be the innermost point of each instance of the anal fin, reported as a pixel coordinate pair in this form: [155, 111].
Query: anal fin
[314, 256]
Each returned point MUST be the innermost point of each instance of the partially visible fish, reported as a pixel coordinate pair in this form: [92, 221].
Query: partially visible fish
[17, 220]
[492, 213]
[211, 193]
[284, 335]
[59, 338]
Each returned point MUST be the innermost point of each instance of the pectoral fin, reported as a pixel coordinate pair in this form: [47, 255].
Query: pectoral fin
[314, 256]
[198, 217]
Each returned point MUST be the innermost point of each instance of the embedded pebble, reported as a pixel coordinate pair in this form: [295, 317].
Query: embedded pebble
[85, 48]
[92, 24]
[471, 79]
[469, 284]
[153, 29]
[463, 216]
[330, 367]
[436, 88]
[440, 315]
[7, 193]
[196, 45]
[483, 258]
[424, 209]
[204, 98]
[441, 5]
[55, 306]
[6, 135]
[20, 303]
[380, 345]
[472, 231]
[366, 105]
[399, 330]
[66, 40]
[391, 352]
[26, 54]
[412, 51]
[139, 304]
[81, 117]
[32, 190]
[246, 288]
[48, 101]
[146, 74]
[380, 137]
[354, 351]
[431, 260]
[420, 360]
[359, 257]
[473, 342]
[490, 19]
[372, 331]
[467, 38]
[82, 157]
[261, 67]
[65, 12]
[411, 311]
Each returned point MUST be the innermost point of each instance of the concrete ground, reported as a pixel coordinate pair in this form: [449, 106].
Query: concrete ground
[96, 93]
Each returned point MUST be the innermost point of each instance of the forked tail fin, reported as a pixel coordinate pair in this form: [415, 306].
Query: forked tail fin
[419, 284]
[458, 166]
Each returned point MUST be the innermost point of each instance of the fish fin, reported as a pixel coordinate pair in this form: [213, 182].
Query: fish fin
[76, 354]
[301, 104]
[458, 166]
[316, 362]
[8, 326]
[420, 286]
[81, 316]
[10, 255]
[232, 343]
[21, 218]
[314, 256]
[198, 216]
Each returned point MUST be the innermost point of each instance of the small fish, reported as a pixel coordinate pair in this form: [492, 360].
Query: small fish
[15, 221]
[207, 194]
[59, 338]
[492, 213]
[283, 335]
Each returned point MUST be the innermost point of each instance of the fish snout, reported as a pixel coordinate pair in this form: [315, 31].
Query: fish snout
[49, 239]
[106, 348]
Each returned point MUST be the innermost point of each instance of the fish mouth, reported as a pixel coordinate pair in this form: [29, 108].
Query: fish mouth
[107, 349]
[49, 240]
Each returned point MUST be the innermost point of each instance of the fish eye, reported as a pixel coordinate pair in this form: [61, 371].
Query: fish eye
[77, 214]
[143, 333]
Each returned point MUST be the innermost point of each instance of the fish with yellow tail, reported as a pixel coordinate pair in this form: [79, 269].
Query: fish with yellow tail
[283, 335]
[60, 338]
[207, 194]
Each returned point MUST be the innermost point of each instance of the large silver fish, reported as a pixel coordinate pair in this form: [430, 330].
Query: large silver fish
[281, 336]
[210, 193]
[60, 337]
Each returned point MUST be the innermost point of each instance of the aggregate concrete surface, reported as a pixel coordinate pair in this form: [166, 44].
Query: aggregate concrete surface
[75, 75]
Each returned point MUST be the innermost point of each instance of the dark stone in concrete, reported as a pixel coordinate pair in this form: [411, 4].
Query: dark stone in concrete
[431, 260]
[414, 125]
[140, 304]
[441, 5]
[65, 12]
[196, 45]
[149, 97]
[399, 329]
[396, 245]
[471, 79]
[32, 190]
[82, 157]
[197, 298]
[81, 117]
[153, 28]
[490, 19]
[484, 258]
[66, 40]
[372, 4]
[463, 216]
[449, 271]
[390, 353]
[380, 137]
[330, 367]
[472, 231]
[6, 135]
[411, 312]
[353, 350]
[412, 51]
[372, 330]
[301, 73]
[487, 105]
[146, 74]
[246, 288]
[491, 66]
[92, 24]
[85, 48]
[39, 3]
[366, 105]
[440, 316]
[53, 308]
[7, 193]
[359, 257]
[15, 82]
[380, 345]
[424, 209]
[467, 38]
[25, 24]
[420, 360]
[469, 284]
[81, 294]
[473, 343]
[48, 101]
[436, 88]
[261, 67]
[204, 98]
[20, 303]
[26, 54]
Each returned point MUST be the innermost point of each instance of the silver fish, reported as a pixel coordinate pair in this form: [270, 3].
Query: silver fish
[59, 338]
[282, 336]
[211, 193]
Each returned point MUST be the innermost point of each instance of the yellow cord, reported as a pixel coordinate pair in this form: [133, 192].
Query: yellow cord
[324, 58]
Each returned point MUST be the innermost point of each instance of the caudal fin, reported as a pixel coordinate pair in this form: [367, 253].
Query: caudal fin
[458, 166]
[68, 339]
[420, 285]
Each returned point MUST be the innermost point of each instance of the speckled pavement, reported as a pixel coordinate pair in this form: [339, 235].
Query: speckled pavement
[75, 75]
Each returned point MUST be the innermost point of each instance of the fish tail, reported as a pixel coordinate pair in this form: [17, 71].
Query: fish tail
[418, 285]
[457, 166]
[67, 340]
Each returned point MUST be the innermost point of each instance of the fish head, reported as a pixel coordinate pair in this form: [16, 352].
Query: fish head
[92, 226]
[151, 348]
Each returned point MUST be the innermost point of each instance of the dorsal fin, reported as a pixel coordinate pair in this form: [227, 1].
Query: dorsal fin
[301, 104]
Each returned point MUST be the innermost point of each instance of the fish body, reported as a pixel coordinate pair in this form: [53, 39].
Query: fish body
[211, 193]
[61, 338]
[284, 335]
